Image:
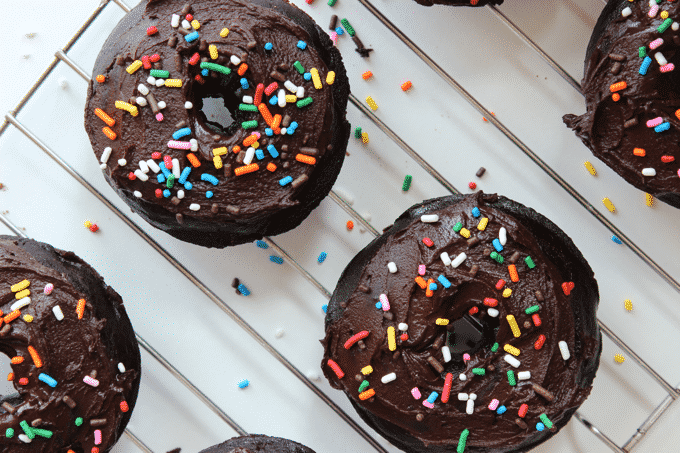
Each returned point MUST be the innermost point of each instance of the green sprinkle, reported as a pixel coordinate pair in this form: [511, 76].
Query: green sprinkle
[247, 107]
[332, 2]
[511, 378]
[462, 441]
[364, 385]
[42, 432]
[662, 28]
[530, 262]
[170, 181]
[350, 30]
[357, 132]
[215, 67]
[304, 102]
[407, 183]
[9, 433]
[479, 371]
[79, 421]
[457, 227]
[301, 69]
[249, 124]
[642, 52]
[496, 257]
[546, 421]
[27, 429]
[494, 348]
[533, 309]
[160, 74]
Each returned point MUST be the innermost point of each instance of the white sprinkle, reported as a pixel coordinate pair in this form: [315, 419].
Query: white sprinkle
[648, 172]
[141, 175]
[290, 86]
[463, 397]
[153, 165]
[194, 206]
[174, 22]
[151, 80]
[388, 378]
[121, 367]
[188, 105]
[102, 166]
[403, 326]
[105, 155]
[58, 313]
[247, 99]
[250, 154]
[194, 144]
[162, 105]
[63, 83]
[625, 12]
[25, 439]
[660, 59]
[512, 361]
[176, 170]
[278, 333]
[492, 312]
[462, 377]
[429, 218]
[564, 349]
[138, 194]
[675, 26]
[122, 162]
[143, 166]
[160, 83]
[186, 25]
[180, 194]
[235, 60]
[446, 352]
[143, 89]
[284, 130]
[470, 408]
[313, 375]
[458, 260]
[503, 236]
[446, 259]
[141, 101]
[300, 93]
[281, 97]
[21, 303]
[473, 396]
[524, 375]
[392, 267]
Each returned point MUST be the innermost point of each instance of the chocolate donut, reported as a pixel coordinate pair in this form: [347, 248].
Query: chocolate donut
[75, 359]
[209, 174]
[460, 2]
[632, 119]
[446, 332]
[257, 443]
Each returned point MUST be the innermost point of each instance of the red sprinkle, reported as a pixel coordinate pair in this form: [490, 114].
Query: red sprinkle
[523, 409]
[540, 342]
[152, 30]
[403, 337]
[336, 368]
[195, 58]
[159, 193]
[350, 225]
[199, 79]
[356, 337]
[667, 159]
[131, 176]
[309, 2]
[167, 160]
[567, 287]
[472, 185]
[94, 450]
[536, 319]
[270, 88]
[489, 302]
[124, 406]
[23, 381]
[156, 155]
[189, 17]
[500, 284]
[94, 228]
[447, 387]
[146, 62]
[154, 58]
[257, 100]
[428, 242]
[473, 310]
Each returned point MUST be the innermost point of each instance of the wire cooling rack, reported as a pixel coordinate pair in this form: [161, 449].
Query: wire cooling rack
[521, 61]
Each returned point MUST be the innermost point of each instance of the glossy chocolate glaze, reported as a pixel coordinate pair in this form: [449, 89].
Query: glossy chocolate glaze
[70, 349]
[613, 56]
[257, 443]
[459, 2]
[242, 208]
[393, 411]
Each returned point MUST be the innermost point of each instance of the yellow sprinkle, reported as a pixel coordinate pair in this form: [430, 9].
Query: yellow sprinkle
[291, 98]
[649, 199]
[255, 145]
[222, 150]
[608, 204]
[330, 77]
[481, 226]
[87, 224]
[316, 79]
[513, 326]
[23, 293]
[224, 32]
[628, 304]
[664, 14]
[28, 318]
[442, 322]
[133, 66]
[618, 358]
[590, 168]
[127, 107]
[391, 339]
[217, 160]
[364, 137]
[213, 51]
[174, 83]
[371, 103]
[19, 286]
[507, 292]
[196, 24]
[465, 233]
[510, 349]
[368, 369]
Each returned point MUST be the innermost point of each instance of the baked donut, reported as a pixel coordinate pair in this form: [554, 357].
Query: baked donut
[205, 173]
[469, 325]
[75, 360]
[460, 2]
[257, 443]
[632, 91]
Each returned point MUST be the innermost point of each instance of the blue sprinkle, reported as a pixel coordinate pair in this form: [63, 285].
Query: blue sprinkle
[244, 83]
[160, 177]
[497, 245]
[540, 426]
[47, 379]
[272, 151]
[501, 410]
[324, 307]
[617, 240]
[286, 180]
[662, 127]
[433, 286]
[444, 281]
[243, 383]
[302, 45]
[167, 193]
[165, 171]
[259, 154]
[322, 257]
[433, 397]
[291, 128]
[205, 72]
[243, 290]
[276, 259]
[378, 305]
[179, 133]
[188, 185]
[193, 36]
[184, 175]
[208, 194]
[645, 65]
[307, 76]
[475, 212]
[262, 244]
[339, 31]
[268, 46]
[210, 178]
[273, 100]
[268, 132]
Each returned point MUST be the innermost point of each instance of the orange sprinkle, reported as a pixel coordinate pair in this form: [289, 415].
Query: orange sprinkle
[10, 377]
[421, 282]
[677, 113]
[366, 394]
[236, 149]
[367, 75]
[514, 276]
[249, 140]
[104, 117]
[276, 122]
[23, 381]
[428, 291]
[277, 130]
[12, 316]
[350, 225]
[639, 152]
[101, 78]
[265, 113]
[271, 166]
[35, 356]
[109, 133]
[616, 97]
[193, 160]
[618, 86]
[242, 69]
[17, 360]
[124, 406]
[246, 169]
[406, 85]
[80, 308]
[305, 159]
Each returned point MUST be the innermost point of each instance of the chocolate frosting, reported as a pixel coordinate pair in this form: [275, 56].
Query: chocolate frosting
[460, 2]
[69, 350]
[241, 208]
[393, 411]
[613, 129]
[257, 443]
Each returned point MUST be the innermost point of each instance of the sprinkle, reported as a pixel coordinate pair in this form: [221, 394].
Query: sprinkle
[104, 117]
[644, 67]
[513, 326]
[446, 354]
[97, 436]
[608, 204]
[224, 32]
[483, 222]
[465, 233]
[89, 380]
[479, 371]
[371, 103]
[628, 304]
[590, 168]
[442, 322]
[127, 107]
[276, 259]
[243, 289]
[388, 378]
[501, 410]
[191, 37]
[664, 26]
[336, 369]
[124, 407]
[391, 339]
[493, 405]
[210, 178]
[368, 369]
[28, 318]
[428, 242]
[662, 127]
[134, 66]
[667, 67]
[546, 421]
[507, 292]
[407, 183]
[511, 378]
[406, 85]
[11, 316]
[460, 448]
[512, 361]
[444, 281]
[564, 350]
[355, 338]
[618, 358]
[304, 102]
[21, 303]
[625, 12]
[47, 379]
[429, 218]
[457, 261]
[511, 350]
[512, 270]
[350, 30]
[492, 312]
[524, 375]
[101, 78]
[421, 282]
[366, 394]
[618, 86]
[364, 385]
[243, 383]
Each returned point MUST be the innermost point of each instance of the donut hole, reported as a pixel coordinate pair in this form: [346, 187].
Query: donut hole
[217, 101]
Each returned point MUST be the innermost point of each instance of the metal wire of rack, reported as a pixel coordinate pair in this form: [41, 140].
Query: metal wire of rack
[62, 56]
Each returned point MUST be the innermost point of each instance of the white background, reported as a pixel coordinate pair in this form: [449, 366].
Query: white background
[167, 310]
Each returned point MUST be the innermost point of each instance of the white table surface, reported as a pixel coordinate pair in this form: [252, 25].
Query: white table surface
[168, 311]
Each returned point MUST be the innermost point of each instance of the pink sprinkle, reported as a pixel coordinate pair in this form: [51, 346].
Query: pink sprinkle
[493, 405]
[257, 134]
[421, 269]
[167, 160]
[334, 38]
[385, 302]
[184, 145]
[466, 357]
[426, 403]
[97, 436]
[48, 288]
[656, 43]
[653, 10]
[159, 116]
[89, 380]
[667, 67]
[655, 122]
[416, 392]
